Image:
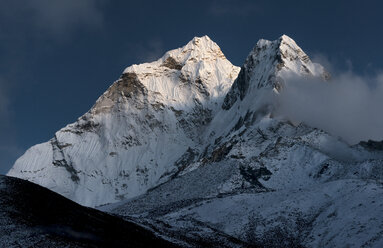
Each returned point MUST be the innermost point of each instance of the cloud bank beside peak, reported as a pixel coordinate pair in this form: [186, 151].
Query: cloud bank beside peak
[349, 106]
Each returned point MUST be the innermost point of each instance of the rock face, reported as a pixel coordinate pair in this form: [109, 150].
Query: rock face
[219, 163]
[132, 138]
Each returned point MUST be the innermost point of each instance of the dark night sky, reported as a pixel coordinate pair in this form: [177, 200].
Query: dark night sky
[58, 56]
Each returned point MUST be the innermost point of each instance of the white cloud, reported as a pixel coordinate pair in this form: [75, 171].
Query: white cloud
[323, 60]
[349, 106]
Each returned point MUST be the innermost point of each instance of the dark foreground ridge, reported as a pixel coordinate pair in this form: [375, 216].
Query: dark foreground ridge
[32, 216]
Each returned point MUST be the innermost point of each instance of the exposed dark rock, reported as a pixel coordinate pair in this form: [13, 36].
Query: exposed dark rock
[324, 168]
[372, 145]
[59, 159]
[252, 175]
[69, 168]
[305, 69]
[129, 141]
[239, 88]
[185, 160]
[239, 124]
[158, 106]
[220, 153]
[88, 126]
[177, 113]
[201, 87]
[184, 78]
[61, 146]
[171, 63]
[128, 86]
[262, 134]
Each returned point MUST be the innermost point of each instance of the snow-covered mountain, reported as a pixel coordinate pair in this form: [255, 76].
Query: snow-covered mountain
[132, 138]
[195, 149]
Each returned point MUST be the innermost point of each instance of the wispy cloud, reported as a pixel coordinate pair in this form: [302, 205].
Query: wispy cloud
[323, 60]
[53, 16]
[234, 8]
[149, 51]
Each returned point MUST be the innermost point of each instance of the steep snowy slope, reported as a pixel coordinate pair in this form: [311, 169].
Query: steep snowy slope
[134, 135]
[266, 181]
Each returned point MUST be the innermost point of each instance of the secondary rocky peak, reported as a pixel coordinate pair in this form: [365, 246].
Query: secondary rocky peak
[283, 53]
[268, 64]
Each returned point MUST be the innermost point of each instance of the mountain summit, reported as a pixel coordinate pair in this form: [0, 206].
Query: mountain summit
[266, 66]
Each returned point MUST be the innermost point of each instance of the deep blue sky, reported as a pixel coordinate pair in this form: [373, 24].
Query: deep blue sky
[57, 57]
